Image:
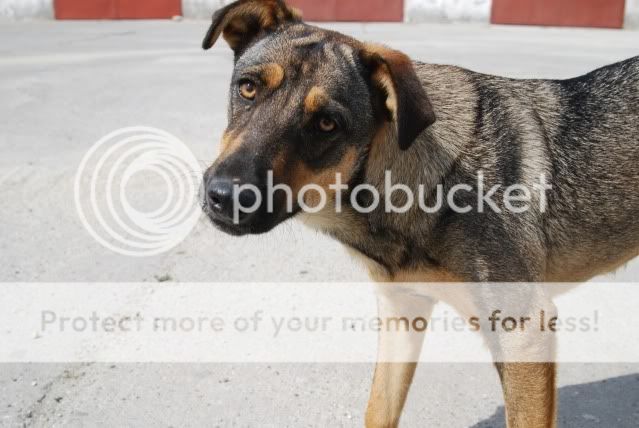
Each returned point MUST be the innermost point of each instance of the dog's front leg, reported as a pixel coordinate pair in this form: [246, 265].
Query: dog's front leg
[398, 353]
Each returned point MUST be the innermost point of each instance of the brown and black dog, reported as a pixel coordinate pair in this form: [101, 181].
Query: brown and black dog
[309, 104]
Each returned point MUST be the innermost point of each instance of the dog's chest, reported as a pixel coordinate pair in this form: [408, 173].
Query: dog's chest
[381, 252]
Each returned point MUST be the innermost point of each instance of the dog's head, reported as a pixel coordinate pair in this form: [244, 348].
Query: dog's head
[305, 105]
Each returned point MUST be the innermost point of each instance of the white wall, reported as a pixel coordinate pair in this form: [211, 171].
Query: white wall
[26, 9]
[632, 14]
[447, 10]
[201, 8]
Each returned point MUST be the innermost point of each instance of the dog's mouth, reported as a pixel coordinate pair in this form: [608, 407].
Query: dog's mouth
[257, 226]
[238, 229]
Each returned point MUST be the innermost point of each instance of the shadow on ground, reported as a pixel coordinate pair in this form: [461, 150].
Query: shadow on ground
[608, 403]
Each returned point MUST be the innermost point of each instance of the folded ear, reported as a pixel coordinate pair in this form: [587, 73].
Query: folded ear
[406, 102]
[243, 21]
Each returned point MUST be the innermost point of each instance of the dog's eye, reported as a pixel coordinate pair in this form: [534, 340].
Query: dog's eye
[247, 90]
[326, 124]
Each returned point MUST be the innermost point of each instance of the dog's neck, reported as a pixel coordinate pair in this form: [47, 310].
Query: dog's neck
[390, 241]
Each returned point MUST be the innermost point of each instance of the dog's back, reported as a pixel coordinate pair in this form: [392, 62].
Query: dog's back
[582, 134]
[593, 218]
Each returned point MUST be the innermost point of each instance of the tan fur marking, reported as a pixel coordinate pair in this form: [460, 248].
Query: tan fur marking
[383, 79]
[426, 276]
[302, 175]
[433, 275]
[278, 166]
[315, 100]
[297, 13]
[272, 75]
[226, 141]
[297, 174]
[231, 141]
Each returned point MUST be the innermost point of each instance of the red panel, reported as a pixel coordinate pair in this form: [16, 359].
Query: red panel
[117, 9]
[350, 10]
[370, 10]
[85, 9]
[574, 13]
[314, 10]
[148, 9]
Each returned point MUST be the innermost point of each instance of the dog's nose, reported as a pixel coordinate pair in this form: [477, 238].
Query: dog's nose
[220, 193]
[222, 198]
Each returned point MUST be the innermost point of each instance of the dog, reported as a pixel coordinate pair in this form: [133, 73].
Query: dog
[308, 104]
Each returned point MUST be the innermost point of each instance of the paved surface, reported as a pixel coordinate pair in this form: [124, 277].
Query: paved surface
[63, 86]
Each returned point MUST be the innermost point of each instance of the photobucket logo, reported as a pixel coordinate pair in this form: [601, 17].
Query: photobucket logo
[399, 198]
[133, 168]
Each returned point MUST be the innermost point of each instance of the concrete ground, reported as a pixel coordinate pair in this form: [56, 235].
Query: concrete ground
[64, 85]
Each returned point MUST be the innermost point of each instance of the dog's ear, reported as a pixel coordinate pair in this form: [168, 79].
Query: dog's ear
[243, 21]
[404, 98]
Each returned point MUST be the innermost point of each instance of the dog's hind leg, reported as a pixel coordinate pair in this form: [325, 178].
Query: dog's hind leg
[529, 393]
[525, 360]
[400, 343]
